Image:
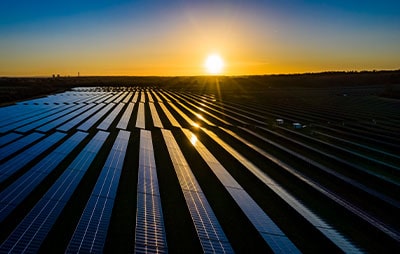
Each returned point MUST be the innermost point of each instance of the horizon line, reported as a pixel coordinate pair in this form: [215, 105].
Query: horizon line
[204, 75]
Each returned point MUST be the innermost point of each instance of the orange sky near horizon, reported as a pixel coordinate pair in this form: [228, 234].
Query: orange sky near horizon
[154, 40]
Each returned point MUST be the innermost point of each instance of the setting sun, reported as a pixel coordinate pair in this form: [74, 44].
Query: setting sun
[214, 64]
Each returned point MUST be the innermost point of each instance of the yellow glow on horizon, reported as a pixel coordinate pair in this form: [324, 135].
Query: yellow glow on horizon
[214, 64]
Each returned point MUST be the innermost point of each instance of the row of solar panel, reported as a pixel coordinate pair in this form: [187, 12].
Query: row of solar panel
[211, 235]
[310, 216]
[91, 232]
[23, 119]
[315, 220]
[14, 164]
[321, 225]
[266, 227]
[14, 194]
[260, 220]
[305, 212]
[200, 220]
[72, 115]
[33, 229]
[150, 232]
[12, 113]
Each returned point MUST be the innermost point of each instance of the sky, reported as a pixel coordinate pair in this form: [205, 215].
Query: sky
[174, 37]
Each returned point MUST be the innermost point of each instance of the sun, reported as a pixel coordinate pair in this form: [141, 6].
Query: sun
[214, 64]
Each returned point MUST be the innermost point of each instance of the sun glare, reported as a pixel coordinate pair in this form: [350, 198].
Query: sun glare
[214, 64]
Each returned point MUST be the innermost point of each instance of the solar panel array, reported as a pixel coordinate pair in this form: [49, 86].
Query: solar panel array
[26, 118]
[14, 194]
[48, 145]
[33, 229]
[95, 118]
[53, 124]
[110, 118]
[9, 138]
[271, 233]
[91, 232]
[14, 164]
[81, 117]
[150, 234]
[211, 235]
[19, 144]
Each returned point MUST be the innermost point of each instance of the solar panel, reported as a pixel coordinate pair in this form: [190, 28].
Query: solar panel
[140, 120]
[102, 99]
[19, 144]
[156, 119]
[170, 117]
[9, 138]
[33, 229]
[202, 108]
[95, 97]
[111, 99]
[75, 121]
[135, 97]
[20, 113]
[95, 118]
[91, 231]
[51, 125]
[156, 96]
[128, 98]
[222, 110]
[120, 97]
[261, 221]
[31, 126]
[142, 97]
[110, 118]
[16, 163]
[161, 93]
[310, 216]
[16, 122]
[123, 123]
[150, 232]
[10, 112]
[183, 115]
[211, 235]
[14, 194]
[198, 115]
[151, 100]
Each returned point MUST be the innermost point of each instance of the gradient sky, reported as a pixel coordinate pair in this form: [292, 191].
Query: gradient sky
[174, 37]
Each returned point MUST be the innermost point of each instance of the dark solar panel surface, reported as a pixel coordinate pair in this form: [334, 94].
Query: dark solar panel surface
[14, 194]
[28, 158]
[19, 144]
[211, 235]
[149, 233]
[16, 163]
[30, 233]
[91, 232]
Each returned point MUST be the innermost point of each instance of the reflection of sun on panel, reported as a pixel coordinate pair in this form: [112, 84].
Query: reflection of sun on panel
[193, 139]
[214, 64]
[200, 116]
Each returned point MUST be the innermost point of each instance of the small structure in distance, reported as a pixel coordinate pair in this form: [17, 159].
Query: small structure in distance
[297, 126]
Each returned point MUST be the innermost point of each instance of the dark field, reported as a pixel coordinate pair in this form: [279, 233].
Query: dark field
[14, 89]
[201, 164]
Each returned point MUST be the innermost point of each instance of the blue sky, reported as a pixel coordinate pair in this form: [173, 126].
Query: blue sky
[173, 37]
